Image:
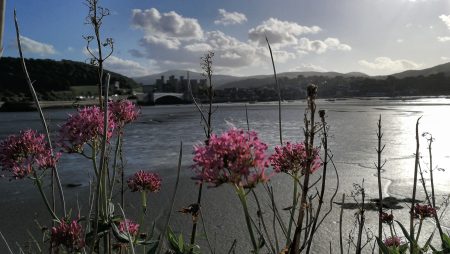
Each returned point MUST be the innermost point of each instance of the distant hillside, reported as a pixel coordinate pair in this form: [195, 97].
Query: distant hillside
[52, 75]
[218, 79]
[330, 74]
[443, 68]
[265, 80]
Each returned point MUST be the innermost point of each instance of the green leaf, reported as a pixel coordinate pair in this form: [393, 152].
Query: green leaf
[153, 246]
[123, 238]
[405, 233]
[181, 242]
[403, 248]
[446, 242]
[427, 244]
[382, 246]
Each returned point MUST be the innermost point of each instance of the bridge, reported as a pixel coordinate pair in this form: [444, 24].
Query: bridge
[166, 98]
[157, 96]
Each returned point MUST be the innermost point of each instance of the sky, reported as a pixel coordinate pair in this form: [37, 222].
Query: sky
[376, 37]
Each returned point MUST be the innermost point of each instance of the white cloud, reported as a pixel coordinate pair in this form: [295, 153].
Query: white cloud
[445, 58]
[320, 47]
[386, 64]
[32, 46]
[399, 40]
[170, 24]
[443, 38]
[198, 47]
[308, 67]
[230, 18]
[231, 51]
[445, 19]
[165, 29]
[282, 56]
[126, 67]
[280, 33]
[166, 42]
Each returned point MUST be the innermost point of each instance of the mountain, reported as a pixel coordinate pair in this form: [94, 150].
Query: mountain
[218, 79]
[442, 68]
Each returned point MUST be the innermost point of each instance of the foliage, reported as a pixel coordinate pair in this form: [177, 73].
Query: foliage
[52, 75]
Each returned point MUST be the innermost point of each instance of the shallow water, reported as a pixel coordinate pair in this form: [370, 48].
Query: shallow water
[153, 143]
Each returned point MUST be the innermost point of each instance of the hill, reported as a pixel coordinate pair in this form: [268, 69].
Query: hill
[442, 68]
[307, 74]
[51, 75]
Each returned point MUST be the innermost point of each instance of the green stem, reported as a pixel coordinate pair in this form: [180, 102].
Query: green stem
[390, 228]
[418, 231]
[144, 206]
[47, 204]
[116, 154]
[94, 160]
[241, 194]
[144, 212]
[294, 206]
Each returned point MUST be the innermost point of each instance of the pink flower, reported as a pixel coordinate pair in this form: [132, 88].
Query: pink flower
[292, 158]
[424, 211]
[124, 111]
[394, 241]
[133, 228]
[386, 218]
[236, 157]
[22, 154]
[144, 181]
[67, 234]
[86, 126]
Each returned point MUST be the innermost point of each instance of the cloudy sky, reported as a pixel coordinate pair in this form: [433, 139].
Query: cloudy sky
[150, 36]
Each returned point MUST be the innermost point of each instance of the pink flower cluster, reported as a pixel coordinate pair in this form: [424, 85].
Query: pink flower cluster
[236, 157]
[23, 153]
[70, 235]
[123, 111]
[144, 181]
[424, 211]
[86, 126]
[386, 218]
[394, 241]
[133, 228]
[292, 158]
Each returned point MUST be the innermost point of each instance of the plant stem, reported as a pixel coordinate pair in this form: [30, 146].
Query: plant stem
[55, 174]
[116, 154]
[241, 194]
[341, 246]
[207, 66]
[264, 223]
[390, 229]
[324, 178]
[279, 93]
[433, 198]
[361, 220]
[309, 144]
[380, 193]
[44, 197]
[172, 200]
[294, 207]
[100, 199]
[416, 168]
[418, 230]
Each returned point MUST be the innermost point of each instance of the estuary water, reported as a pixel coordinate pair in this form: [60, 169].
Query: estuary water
[153, 143]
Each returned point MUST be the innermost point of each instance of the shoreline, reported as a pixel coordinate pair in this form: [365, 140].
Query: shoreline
[25, 106]
[28, 106]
